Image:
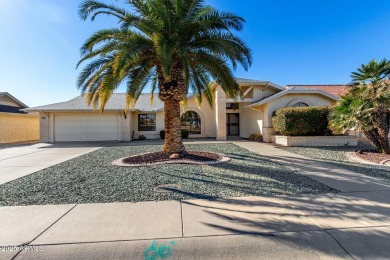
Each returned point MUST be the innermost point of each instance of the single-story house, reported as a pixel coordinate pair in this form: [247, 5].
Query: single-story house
[241, 116]
[15, 124]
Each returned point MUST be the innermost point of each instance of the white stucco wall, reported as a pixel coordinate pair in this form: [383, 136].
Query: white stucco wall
[148, 134]
[125, 125]
[220, 114]
[207, 115]
[251, 121]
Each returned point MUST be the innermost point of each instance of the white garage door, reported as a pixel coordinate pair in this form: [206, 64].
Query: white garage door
[91, 127]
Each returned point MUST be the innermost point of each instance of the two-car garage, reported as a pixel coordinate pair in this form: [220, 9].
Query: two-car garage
[86, 127]
[75, 121]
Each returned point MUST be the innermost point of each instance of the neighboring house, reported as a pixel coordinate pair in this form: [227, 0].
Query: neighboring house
[9, 104]
[15, 124]
[241, 116]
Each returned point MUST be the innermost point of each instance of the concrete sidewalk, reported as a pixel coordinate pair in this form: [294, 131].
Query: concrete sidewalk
[353, 224]
[22, 160]
[302, 227]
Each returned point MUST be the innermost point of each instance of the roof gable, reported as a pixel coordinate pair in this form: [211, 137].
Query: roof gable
[14, 99]
[293, 91]
[242, 81]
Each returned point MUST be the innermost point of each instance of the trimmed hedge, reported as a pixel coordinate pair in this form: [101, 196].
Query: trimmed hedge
[184, 134]
[302, 121]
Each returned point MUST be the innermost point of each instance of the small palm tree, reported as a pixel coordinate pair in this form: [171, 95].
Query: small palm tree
[351, 113]
[366, 106]
[176, 46]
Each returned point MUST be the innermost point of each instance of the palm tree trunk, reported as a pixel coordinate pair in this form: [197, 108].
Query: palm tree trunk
[380, 122]
[171, 93]
[373, 137]
[384, 141]
[173, 142]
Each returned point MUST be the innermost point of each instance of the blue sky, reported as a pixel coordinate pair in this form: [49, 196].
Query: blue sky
[293, 42]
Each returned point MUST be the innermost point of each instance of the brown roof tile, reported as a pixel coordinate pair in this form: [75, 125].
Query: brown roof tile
[335, 90]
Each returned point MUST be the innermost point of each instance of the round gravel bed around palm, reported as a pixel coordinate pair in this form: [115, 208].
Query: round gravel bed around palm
[337, 156]
[91, 178]
[372, 156]
[154, 158]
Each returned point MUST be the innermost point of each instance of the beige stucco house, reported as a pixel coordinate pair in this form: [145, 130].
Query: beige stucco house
[241, 116]
[15, 125]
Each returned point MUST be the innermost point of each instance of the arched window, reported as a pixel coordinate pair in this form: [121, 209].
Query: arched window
[190, 120]
[300, 104]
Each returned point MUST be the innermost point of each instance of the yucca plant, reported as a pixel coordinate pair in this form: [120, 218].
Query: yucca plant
[176, 46]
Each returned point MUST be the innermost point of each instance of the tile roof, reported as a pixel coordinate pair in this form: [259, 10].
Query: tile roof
[335, 90]
[116, 102]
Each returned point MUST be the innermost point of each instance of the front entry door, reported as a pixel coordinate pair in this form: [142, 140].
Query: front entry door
[233, 124]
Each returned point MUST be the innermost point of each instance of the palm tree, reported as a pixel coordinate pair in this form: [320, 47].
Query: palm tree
[374, 78]
[351, 113]
[366, 106]
[176, 46]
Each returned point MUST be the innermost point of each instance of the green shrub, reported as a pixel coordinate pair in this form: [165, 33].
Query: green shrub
[184, 134]
[256, 137]
[302, 121]
[141, 137]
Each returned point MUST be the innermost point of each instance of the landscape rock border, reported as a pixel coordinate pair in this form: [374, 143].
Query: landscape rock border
[352, 156]
[120, 162]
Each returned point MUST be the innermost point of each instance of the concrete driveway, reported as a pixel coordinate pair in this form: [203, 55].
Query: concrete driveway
[21, 160]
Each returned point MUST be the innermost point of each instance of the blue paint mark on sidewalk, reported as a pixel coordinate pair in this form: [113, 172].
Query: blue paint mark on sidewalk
[155, 252]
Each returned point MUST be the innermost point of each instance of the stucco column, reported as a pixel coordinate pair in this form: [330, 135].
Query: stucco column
[131, 120]
[268, 130]
[220, 114]
[44, 128]
[124, 126]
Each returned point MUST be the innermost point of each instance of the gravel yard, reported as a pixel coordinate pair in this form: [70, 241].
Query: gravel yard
[92, 179]
[336, 156]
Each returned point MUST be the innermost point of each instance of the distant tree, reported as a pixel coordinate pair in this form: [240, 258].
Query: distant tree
[175, 45]
[366, 106]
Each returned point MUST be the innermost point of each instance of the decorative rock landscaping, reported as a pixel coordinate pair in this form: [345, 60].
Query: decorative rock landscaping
[91, 178]
[380, 161]
[372, 156]
[339, 156]
[192, 157]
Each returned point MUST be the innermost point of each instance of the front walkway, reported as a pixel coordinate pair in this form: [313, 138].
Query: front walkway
[352, 224]
[335, 177]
